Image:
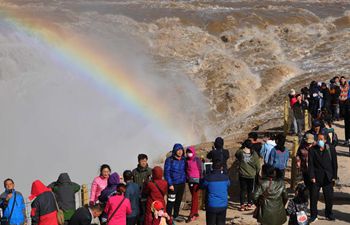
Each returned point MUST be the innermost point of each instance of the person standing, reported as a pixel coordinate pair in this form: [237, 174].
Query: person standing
[85, 215]
[155, 189]
[175, 175]
[44, 206]
[141, 175]
[99, 183]
[267, 146]
[219, 153]
[322, 169]
[249, 167]
[347, 121]
[194, 174]
[133, 194]
[298, 110]
[216, 185]
[344, 89]
[271, 197]
[65, 190]
[279, 156]
[302, 158]
[111, 189]
[334, 91]
[12, 204]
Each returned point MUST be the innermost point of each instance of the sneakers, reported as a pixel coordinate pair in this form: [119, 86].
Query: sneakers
[313, 219]
[178, 219]
[249, 207]
[330, 217]
[192, 218]
[242, 208]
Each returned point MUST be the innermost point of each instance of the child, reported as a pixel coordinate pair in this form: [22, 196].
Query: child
[297, 207]
[160, 217]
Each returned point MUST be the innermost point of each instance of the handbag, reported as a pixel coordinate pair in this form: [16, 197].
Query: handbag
[258, 210]
[60, 213]
[5, 220]
[116, 209]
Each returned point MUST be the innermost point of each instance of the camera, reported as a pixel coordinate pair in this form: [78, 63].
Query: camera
[10, 191]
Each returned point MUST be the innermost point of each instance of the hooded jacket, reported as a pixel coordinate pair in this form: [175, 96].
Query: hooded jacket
[193, 167]
[44, 210]
[266, 150]
[97, 186]
[153, 193]
[111, 188]
[65, 190]
[174, 168]
[219, 153]
[279, 157]
[272, 207]
[19, 211]
[119, 218]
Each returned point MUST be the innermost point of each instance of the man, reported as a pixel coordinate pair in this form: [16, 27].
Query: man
[65, 190]
[315, 129]
[216, 185]
[279, 156]
[298, 110]
[12, 204]
[85, 215]
[322, 169]
[141, 174]
[334, 91]
[175, 175]
[218, 153]
[133, 194]
[303, 156]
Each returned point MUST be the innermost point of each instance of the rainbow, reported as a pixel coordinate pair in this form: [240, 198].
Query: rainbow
[112, 78]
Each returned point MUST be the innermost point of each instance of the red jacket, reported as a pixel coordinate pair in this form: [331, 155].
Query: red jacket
[44, 209]
[154, 193]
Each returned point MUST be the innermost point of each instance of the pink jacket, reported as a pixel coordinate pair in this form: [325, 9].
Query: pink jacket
[119, 218]
[193, 165]
[98, 185]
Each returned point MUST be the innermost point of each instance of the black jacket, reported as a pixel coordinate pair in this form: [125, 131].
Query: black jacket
[323, 165]
[221, 155]
[81, 217]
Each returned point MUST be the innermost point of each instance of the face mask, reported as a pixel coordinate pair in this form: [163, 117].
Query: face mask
[189, 155]
[320, 143]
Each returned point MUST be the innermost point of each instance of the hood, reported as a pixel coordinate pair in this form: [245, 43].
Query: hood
[157, 173]
[192, 150]
[63, 178]
[219, 143]
[37, 189]
[113, 179]
[177, 147]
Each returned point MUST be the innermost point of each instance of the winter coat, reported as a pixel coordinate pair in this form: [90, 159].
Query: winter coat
[216, 185]
[298, 110]
[193, 167]
[18, 215]
[97, 186]
[65, 190]
[266, 150]
[344, 89]
[82, 216]
[141, 175]
[303, 157]
[293, 207]
[153, 193]
[323, 165]
[44, 209]
[279, 157]
[119, 218]
[272, 205]
[133, 194]
[334, 94]
[111, 188]
[249, 163]
[175, 169]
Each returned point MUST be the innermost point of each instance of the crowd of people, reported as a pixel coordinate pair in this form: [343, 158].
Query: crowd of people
[153, 196]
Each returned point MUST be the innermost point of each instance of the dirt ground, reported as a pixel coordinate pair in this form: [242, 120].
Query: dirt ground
[341, 196]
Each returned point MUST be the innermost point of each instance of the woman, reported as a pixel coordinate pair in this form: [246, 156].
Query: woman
[44, 208]
[118, 207]
[194, 174]
[99, 183]
[111, 188]
[270, 198]
[249, 166]
[155, 189]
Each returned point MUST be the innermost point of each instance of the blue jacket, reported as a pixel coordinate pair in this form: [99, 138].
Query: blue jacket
[279, 159]
[18, 216]
[266, 150]
[175, 169]
[216, 184]
[133, 194]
